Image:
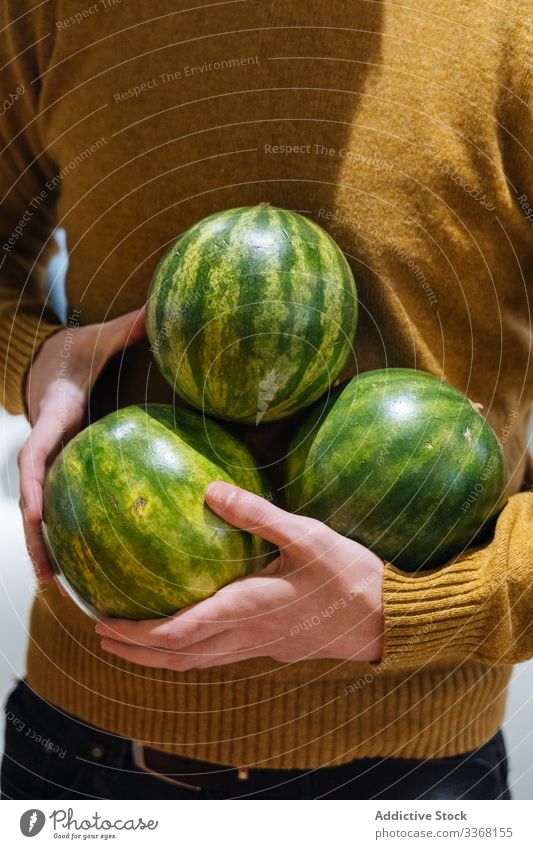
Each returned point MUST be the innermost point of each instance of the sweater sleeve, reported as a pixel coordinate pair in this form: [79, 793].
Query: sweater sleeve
[480, 605]
[28, 198]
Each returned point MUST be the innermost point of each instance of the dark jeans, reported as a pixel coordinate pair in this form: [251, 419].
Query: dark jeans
[52, 755]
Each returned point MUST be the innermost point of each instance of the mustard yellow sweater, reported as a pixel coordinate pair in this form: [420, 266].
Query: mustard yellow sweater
[406, 130]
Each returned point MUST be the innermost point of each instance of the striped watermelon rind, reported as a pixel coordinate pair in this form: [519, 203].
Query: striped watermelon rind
[125, 518]
[403, 463]
[251, 314]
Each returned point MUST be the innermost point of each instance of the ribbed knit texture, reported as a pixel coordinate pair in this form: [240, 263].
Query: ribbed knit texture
[264, 714]
[407, 132]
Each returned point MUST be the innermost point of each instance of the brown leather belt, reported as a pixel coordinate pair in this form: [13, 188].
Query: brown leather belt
[187, 773]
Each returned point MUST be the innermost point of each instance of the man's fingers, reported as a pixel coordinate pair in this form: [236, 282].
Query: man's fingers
[137, 654]
[44, 439]
[186, 627]
[231, 642]
[36, 549]
[250, 512]
[122, 331]
[51, 429]
[229, 647]
[59, 416]
[235, 606]
[32, 466]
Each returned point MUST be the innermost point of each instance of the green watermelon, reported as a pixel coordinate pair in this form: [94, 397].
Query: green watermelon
[251, 314]
[401, 462]
[125, 518]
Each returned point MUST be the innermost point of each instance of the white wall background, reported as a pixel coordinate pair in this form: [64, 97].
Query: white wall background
[16, 587]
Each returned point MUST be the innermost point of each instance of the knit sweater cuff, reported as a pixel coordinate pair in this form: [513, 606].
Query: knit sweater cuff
[456, 611]
[21, 342]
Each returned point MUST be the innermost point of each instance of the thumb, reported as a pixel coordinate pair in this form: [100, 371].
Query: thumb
[119, 333]
[250, 512]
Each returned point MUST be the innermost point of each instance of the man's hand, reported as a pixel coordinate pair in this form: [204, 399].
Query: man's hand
[57, 389]
[320, 598]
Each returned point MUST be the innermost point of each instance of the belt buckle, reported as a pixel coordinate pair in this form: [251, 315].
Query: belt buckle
[137, 751]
